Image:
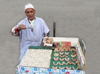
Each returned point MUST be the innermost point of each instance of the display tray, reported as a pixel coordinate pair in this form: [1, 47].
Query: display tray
[64, 59]
[40, 47]
[40, 70]
[37, 56]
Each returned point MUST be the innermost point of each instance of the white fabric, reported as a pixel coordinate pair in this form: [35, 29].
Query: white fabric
[29, 6]
[29, 37]
[13, 31]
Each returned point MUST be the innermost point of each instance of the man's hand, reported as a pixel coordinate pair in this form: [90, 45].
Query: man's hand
[20, 27]
[42, 44]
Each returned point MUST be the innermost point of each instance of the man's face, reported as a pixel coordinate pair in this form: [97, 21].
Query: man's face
[30, 12]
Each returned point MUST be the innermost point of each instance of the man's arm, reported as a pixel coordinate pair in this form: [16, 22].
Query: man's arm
[15, 30]
[47, 35]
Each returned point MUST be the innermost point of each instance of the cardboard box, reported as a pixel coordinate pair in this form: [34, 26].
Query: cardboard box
[65, 44]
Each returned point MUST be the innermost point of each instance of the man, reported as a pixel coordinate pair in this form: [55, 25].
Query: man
[31, 30]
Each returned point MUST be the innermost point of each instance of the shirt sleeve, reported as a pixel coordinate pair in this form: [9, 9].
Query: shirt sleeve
[45, 28]
[14, 30]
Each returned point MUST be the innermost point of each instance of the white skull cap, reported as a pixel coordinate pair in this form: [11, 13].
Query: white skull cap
[29, 5]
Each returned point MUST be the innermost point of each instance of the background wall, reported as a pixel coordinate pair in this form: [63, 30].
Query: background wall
[74, 18]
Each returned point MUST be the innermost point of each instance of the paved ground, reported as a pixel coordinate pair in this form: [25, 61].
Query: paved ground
[74, 18]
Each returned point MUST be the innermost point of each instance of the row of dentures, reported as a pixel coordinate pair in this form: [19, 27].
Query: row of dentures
[63, 49]
[63, 63]
[68, 68]
[62, 56]
[62, 59]
[67, 53]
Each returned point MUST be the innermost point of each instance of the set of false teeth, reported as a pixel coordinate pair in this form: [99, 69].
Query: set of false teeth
[73, 55]
[68, 68]
[61, 53]
[61, 49]
[61, 59]
[63, 63]
[62, 56]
